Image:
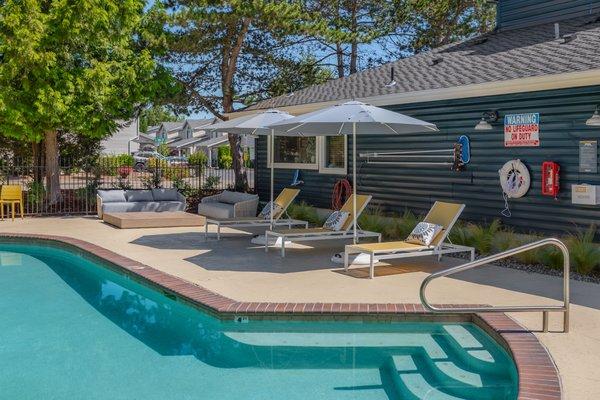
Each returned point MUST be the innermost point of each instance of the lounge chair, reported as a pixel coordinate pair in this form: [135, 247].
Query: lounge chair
[443, 214]
[345, 231]
[283, 201]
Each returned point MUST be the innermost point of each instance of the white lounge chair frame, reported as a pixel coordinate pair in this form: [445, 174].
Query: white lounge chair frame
[440, 249]
[322, 234]
[249, 222]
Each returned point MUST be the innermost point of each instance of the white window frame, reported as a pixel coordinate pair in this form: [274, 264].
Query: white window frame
[323, 169]
[319, 165]
[313, 166]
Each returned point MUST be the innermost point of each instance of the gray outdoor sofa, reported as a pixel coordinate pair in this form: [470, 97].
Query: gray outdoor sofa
[229, 204]
[155, 200]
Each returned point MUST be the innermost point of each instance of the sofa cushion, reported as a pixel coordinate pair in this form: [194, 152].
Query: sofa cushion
[216, 210]
[171, 206]
[235, 197]
[130, 206]
[138, 195]
[112, 196]
[165, 195]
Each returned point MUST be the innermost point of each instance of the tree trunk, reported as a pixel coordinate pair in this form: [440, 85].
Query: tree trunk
[228, 70]
[354, 58]
[354, 44]
[339, 52]
[237, 155]
[52, 167]
[37, 155]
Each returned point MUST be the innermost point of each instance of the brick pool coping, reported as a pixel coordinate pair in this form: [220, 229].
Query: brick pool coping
[538, 375]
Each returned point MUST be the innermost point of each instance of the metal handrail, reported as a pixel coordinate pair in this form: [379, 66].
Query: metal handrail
[486, 260]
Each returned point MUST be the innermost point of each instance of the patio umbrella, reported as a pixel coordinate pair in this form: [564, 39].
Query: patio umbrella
[351, 118]
[255, 124]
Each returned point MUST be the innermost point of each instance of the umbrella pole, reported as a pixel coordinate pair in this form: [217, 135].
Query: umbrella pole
[272, 138]
[354, 179]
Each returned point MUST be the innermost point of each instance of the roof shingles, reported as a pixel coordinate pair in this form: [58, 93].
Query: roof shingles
[496, 56]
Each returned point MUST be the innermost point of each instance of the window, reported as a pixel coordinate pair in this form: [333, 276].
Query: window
[333, 155]
[295, 152]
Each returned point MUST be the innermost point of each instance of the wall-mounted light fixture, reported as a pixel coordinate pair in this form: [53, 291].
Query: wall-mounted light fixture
[595, 118]
[484, 124]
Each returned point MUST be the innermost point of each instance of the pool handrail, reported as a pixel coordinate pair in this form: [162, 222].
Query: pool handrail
[564, 308]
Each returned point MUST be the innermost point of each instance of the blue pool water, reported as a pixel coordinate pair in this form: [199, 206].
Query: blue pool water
[73, 329]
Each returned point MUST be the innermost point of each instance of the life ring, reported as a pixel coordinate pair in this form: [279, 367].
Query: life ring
[515, 179]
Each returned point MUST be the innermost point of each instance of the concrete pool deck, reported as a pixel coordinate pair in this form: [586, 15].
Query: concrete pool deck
[237, 269]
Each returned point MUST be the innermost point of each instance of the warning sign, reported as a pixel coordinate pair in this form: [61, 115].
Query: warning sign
[522, 130]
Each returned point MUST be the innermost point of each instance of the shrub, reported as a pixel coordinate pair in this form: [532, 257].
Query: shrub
[504, 240]
[304, 212]
[110, 164]
[198, 158]
[530, 256]
[225, 159]
[124, 171]
[482, 236]
[212, 182]
[35, 193]
[176, 172]
[375, 221]
[585, 254]
[163, 149]
[550, 256]
[460, 234]
[155, 163]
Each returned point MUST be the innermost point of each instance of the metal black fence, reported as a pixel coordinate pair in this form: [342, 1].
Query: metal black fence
[79, 183]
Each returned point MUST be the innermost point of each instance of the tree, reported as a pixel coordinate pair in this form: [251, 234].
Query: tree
[226, 51]
[422, 25]
[292, 76]
[362, 21]
[155, 115]
[72, 66]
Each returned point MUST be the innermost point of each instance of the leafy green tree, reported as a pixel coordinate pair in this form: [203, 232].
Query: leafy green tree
[231, 50]
[360, 21]
[73, 66]
[155, 115]
[295, 75]
[422, 25]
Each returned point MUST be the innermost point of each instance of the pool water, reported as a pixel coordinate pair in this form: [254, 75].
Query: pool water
[72, 329]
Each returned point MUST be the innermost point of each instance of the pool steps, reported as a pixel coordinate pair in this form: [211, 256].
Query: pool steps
[418, 377]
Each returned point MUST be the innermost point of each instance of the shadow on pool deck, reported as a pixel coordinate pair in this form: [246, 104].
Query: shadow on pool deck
[235, 253]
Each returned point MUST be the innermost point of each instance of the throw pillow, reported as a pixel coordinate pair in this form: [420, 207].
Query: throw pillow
[266, 211]
[424, 233]
[336, 220]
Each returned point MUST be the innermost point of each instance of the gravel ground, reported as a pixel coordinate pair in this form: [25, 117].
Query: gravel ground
[539, 269]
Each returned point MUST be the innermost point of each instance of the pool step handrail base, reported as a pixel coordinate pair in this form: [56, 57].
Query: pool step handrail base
[545, 309]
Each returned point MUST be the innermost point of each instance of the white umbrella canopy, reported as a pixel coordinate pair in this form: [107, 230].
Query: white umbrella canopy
[255, 124]
[340, 120]
[351, 118]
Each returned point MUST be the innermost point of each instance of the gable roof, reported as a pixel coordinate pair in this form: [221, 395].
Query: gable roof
[172, 126]
[493, 57]
[197, 123]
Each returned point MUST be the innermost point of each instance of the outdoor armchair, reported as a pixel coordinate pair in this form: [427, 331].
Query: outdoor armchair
[280, 216]
[229, 204]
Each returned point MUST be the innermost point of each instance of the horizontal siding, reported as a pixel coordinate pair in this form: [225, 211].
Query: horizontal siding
[520, 13]
[396, 188]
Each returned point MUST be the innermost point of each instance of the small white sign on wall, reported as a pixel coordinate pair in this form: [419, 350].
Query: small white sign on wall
[522, 130]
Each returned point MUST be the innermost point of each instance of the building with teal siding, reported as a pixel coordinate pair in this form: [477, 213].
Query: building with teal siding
[541, 64]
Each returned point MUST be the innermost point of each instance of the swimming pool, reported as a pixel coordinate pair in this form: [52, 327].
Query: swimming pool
[71, 328]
